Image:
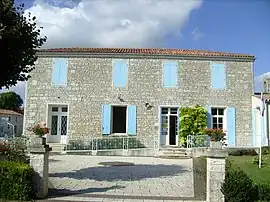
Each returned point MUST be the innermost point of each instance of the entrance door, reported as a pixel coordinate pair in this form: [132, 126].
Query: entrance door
[58, 124]
[172, 130]
[169, 126]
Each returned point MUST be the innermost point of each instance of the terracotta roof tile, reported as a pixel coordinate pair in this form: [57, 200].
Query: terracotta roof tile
[9, 112]
[148, 51]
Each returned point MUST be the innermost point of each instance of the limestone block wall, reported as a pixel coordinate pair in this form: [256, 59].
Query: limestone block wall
[89, 86]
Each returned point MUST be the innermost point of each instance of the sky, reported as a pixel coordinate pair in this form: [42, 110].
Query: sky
[238, 26]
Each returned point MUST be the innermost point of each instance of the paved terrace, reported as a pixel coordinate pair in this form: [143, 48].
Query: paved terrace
[82, 178]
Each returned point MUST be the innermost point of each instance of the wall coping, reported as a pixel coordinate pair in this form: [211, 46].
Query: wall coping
[216, 153]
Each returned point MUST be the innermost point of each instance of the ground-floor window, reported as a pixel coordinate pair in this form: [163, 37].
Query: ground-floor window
[119, 119]
[218, 117]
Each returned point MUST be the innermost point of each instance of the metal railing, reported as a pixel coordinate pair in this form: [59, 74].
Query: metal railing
[197, 141]
[112, 143]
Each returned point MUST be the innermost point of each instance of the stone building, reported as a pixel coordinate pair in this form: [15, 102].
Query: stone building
[85, 92]
[11, 123]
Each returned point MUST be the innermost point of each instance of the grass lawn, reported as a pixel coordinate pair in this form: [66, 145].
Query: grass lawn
[258, 175]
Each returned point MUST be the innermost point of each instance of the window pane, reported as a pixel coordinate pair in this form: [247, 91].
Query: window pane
[220, 120]
[55, 109]
[220, 111]
[164, 111]
[214, 120]
[215, 126]
[214, 111]
[64, 109]
[220, 126]
[173, 110]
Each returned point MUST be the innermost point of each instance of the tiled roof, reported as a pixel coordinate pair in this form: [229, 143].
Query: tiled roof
[148, 51]
[9, 112]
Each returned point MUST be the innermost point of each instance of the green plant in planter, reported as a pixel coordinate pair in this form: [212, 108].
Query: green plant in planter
[216, 135]
[193, 121]
[39, 130]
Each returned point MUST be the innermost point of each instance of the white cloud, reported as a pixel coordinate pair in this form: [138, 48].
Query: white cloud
[112, 23]
[258, 85]
[197, 34]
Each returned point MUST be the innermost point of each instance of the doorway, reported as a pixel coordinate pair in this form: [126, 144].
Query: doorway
[57, 124]
[169, 126]
[119, 119]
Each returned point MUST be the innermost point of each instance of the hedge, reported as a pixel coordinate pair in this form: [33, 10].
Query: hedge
[16, 181]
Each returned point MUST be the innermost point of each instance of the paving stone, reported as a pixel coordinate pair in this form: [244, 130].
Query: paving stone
[148, 177]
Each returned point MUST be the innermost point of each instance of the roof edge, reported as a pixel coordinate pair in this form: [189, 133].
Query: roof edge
[141, 55]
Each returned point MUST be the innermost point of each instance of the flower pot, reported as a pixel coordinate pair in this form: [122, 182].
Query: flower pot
[215, 145]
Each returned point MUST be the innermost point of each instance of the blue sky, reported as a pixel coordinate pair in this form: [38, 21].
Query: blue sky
[239, 26]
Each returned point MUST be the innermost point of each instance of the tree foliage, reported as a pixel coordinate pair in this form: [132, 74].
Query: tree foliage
[19, 41]
[10, 100]
[193, 121]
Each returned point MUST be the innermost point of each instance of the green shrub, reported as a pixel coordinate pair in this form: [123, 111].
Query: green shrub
[256, 159]
[238, 187]
[264, 192]
[16, 181]
[243, 152]
[193, 121]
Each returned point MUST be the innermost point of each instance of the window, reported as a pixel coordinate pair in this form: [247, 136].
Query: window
[16, 119]
[64, 109]
[59, 72]
[55, 109]
[170, 74]
[218, 76]
[9, 118]
[217, 117]
[120, 73]
[15, 129]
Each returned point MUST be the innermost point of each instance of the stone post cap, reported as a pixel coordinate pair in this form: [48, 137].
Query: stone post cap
[216, 153]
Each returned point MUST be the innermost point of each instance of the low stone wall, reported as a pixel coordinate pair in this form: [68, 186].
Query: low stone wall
[144, 152]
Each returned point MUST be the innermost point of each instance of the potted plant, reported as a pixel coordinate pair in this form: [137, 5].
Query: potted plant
[217, 137]
[39, 132]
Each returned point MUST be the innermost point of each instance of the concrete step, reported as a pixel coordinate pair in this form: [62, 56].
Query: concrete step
[174, 157]
[57, 147]
[174, 153]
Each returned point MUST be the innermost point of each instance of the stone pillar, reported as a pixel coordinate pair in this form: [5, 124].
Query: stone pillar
[39, 161]
[215, 174]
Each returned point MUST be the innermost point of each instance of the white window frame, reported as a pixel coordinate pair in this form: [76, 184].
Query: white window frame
[167, 137]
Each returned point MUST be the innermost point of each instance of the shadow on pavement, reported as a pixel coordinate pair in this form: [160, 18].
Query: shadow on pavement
[122, 173]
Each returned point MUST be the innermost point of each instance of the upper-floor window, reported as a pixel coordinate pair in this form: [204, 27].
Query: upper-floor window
[16, 119]
[59, 72]
[9, 118]
[217, 118]
[218, 75]
[170, 74]
[120, 73]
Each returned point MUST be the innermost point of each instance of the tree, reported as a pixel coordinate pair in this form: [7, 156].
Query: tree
[19, 41]
[10, 100]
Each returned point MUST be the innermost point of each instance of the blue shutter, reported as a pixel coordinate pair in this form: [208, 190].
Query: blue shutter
[231, 126]
[218, 76]
[170, 74]
[63, 72]
[254, 124]
[209, 117]
[59, 72]
[132, 120]
[56, 72]
[106, 119]
[120, 73]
